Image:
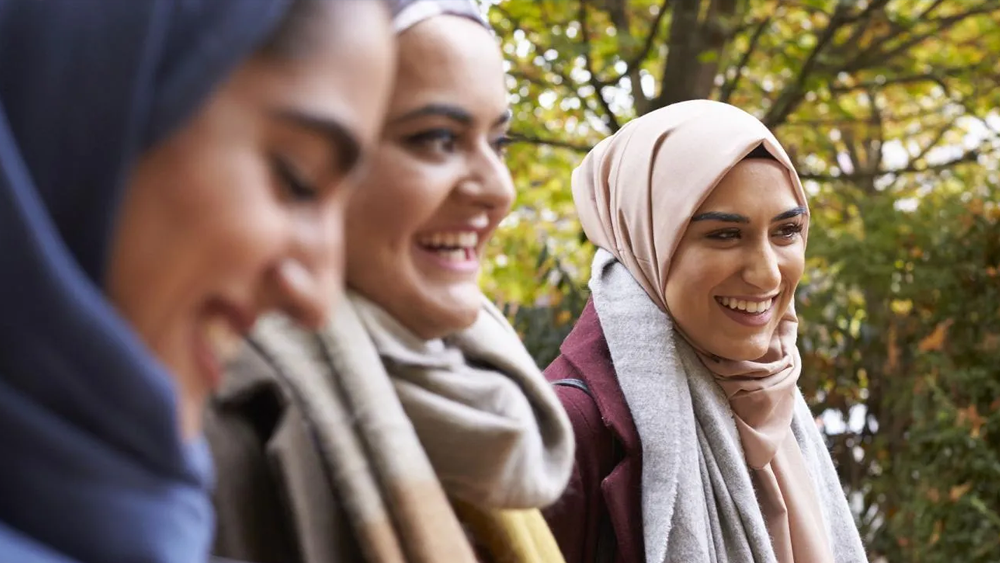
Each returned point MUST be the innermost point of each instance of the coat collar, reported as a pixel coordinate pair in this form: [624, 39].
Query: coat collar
[586, 350]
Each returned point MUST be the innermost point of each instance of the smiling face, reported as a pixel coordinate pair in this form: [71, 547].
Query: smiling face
[240, 211]
[439, 187]
[735, 270]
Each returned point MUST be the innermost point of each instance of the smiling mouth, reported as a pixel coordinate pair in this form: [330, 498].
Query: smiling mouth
[221, 338]
[458, 248]
[749, 307]
[218, 340]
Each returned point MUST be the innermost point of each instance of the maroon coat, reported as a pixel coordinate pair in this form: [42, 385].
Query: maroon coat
[606, 478]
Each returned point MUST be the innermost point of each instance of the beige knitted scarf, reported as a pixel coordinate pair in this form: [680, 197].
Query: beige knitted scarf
[415, 431]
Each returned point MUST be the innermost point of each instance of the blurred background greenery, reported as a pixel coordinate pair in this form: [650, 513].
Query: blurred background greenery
[891, 111]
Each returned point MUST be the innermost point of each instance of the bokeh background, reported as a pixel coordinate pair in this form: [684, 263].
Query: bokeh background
[891, 111]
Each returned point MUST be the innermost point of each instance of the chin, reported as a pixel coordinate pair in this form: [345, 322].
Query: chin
[739, 350]
[458, 310]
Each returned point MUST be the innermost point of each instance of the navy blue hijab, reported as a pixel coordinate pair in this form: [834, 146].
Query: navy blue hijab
[94, 468]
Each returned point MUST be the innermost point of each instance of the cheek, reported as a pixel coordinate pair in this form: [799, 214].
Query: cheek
[793, 264]
[188, 228]
[236, 215]
[389, 208]
[696, 276]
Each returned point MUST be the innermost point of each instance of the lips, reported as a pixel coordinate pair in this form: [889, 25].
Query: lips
[219, 337]
[748, 311]
[751, 306]
[452, 252]
[452, 246]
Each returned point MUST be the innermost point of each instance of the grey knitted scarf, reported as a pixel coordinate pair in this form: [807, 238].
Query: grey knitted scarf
[698, 502]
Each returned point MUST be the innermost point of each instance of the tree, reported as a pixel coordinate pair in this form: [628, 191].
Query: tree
[888, 109]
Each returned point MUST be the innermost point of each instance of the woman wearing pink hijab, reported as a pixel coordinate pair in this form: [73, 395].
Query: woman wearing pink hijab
[694, 443]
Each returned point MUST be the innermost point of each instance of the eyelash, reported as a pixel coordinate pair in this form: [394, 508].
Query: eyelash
[501, 143]
[786, 232]
[291, 182]
[444, 140]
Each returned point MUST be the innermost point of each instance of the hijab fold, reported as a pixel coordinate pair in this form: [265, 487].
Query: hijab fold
[88, 416]
[408, 13]
[635, 193]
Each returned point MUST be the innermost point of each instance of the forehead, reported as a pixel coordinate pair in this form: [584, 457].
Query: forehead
[344, 74]
[450, 59]
[753, 184]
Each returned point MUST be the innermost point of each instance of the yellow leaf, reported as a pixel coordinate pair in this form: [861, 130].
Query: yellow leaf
[959, 491]
[976, 206]
[937, 532]
[563, 317]
[934, 342]
[976, 420]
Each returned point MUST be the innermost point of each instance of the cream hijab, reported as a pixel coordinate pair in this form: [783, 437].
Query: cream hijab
[635, 193]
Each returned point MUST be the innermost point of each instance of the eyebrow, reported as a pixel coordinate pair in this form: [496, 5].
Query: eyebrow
[737, 218]
[452, 112]
[344, 144]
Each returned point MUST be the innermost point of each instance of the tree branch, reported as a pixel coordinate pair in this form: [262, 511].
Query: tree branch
[533, 140]
[865, 14]
[934, 141]
[730, 85]
[619, 16]
[937, 77]
[611, 119]
[654, 29]
[792, 96]
[874, 53]
[846, 122]
[967, 157]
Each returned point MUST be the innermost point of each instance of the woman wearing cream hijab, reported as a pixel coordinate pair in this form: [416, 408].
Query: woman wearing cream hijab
[686, 361]
[415, 428]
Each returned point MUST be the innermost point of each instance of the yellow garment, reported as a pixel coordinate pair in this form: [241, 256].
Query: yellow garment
[511, 536]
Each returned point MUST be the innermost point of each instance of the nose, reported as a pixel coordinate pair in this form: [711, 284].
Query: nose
[309, 279]
[488, 183]
[761, 269]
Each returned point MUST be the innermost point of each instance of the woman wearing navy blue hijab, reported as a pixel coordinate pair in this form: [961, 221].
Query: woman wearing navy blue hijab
[169, 171]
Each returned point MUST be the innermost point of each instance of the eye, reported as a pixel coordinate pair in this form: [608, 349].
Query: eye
[724, 234]
[291, 182]
[500, 144]
[434, 140]
[789, 231]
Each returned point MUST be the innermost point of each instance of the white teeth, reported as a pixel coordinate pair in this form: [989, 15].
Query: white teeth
[453, 255]
[219, 336]
[450, 240]
[748, 306]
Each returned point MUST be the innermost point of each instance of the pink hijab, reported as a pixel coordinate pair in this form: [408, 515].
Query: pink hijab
[635, 193]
